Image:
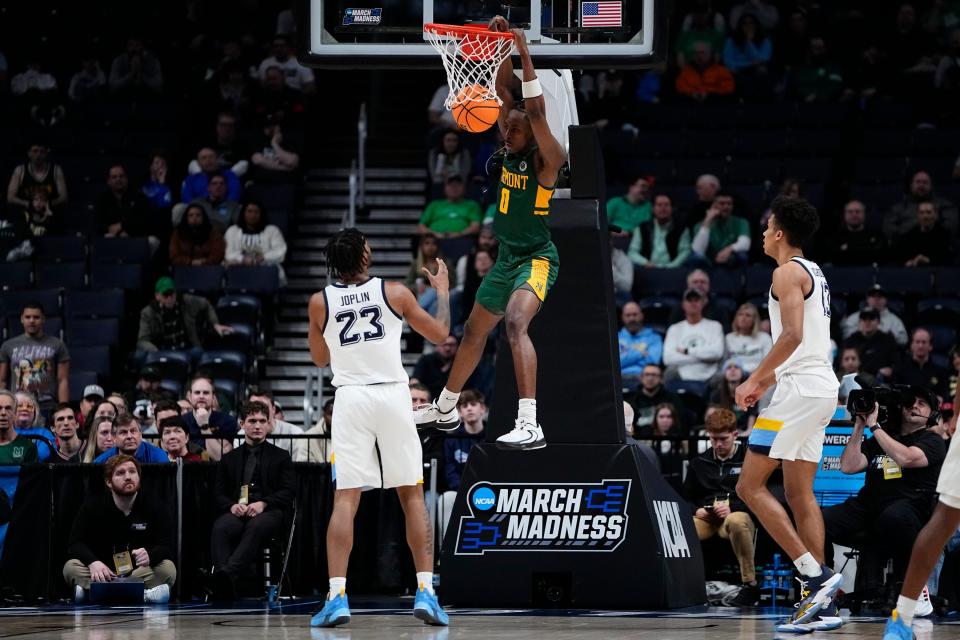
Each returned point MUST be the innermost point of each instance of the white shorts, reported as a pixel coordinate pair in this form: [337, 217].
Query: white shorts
[375, 442]
[948, 485]
[793, 425]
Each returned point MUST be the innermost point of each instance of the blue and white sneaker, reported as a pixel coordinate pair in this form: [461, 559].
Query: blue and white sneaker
[428, 416]
[815, 594]
[336, 611]
[827, 619]
[896, 629]
[426, 608]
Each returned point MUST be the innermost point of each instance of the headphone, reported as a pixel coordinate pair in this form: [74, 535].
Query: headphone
[932, 400]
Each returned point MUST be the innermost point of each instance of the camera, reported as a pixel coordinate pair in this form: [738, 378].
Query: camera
[891, 400]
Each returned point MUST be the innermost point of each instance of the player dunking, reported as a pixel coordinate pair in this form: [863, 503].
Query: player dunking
[790, 430]
[527, 264]
[355, 327]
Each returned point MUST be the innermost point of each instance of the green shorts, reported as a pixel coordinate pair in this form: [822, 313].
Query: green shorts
[538, 270]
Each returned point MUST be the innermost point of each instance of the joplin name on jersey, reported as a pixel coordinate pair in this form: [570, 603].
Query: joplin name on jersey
[363, 334]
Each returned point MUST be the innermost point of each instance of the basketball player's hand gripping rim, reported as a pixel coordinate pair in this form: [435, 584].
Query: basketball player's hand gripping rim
[441, 281]
[499, 23]
[748, 392]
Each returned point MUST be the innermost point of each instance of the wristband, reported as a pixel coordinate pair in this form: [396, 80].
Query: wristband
[532, 89]
[870, 427]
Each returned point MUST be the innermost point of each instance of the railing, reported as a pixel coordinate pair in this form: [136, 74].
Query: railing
[313, 396]
[358, 173]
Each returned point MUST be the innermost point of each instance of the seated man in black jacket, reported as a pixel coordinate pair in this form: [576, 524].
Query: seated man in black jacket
[255, 489]
[710, 488]
[902, 462]
[120, 534]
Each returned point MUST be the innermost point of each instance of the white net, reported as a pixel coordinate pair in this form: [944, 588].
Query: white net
[471, 58]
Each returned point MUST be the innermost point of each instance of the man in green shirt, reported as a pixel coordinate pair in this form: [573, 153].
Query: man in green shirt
[722, 238]
[14, 449]
[631, 210]
[660, 242]
[453, 216]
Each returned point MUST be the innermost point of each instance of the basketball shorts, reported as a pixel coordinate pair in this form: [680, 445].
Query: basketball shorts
[793, 425]
[375, 442]
[510, 272]
[948, 485]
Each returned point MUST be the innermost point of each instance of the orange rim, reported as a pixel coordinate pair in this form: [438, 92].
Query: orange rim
[465, 30]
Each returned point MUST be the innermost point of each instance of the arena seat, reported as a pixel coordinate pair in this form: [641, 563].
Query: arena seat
[947, 281]
[199, 279]
[757, 280]
[16, 275]
[105, 303]
[647, 282]
[849, 280]
[60, 275]
[83, 332]
[229, 365]
[260, 280]
[128, 277]
[172, 365]
[692, 387]
[657, 309]
[121, 250]
[94, 358]
[78, 381]
[906, 281]
[240, 339]
[938, 311]
[238, 308]
[61, 248]
[727, 282]
[879, 170]
[13, 301]
[944, 336]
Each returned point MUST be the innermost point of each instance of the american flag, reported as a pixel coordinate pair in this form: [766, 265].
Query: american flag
[600, 14]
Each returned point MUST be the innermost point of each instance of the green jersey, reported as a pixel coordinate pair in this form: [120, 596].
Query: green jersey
[523, 205]
[21, 451]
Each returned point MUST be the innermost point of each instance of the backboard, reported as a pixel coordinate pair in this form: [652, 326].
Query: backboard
[388, 34]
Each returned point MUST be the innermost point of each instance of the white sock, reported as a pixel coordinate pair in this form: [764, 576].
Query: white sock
[808, 566]
[528, 409]
[338, 587]
[425, 581]
[905, 608]
[447, 401]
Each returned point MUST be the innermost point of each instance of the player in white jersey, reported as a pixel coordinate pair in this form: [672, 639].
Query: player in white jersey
[355, 327]
[930, 541]
[789, 432]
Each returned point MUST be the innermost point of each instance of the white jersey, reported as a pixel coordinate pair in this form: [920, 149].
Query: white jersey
[363, 334]
[812, 356]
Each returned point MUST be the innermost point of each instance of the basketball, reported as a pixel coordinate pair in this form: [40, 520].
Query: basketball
[475, 115]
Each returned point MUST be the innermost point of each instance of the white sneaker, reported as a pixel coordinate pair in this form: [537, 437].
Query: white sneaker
[428, 416]
[525, 435]
[924, 606]
[79, 594]
[157, 595]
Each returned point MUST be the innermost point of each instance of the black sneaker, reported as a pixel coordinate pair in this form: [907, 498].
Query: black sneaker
[816, 593]
[748, 596]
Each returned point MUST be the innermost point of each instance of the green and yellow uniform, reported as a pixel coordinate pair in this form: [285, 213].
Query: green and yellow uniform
[527, 256]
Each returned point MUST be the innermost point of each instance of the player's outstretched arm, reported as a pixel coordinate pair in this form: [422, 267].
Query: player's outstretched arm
[551, 151]
[435, 329]
[504, 78]
[788, 281]
[319, 352]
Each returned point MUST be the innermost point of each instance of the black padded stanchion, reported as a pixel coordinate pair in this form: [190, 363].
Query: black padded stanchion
[588, 521]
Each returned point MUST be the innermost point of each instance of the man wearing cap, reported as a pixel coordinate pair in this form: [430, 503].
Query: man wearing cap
[693, 346]
[879, 351]
[93, 395]
[452, 217]
[35, 362]
[177, 322]
[889, 322]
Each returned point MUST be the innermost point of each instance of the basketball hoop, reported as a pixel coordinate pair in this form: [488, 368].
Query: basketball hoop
[471, 57]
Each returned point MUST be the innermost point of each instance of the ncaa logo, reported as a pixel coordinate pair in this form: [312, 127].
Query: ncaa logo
[483, 499]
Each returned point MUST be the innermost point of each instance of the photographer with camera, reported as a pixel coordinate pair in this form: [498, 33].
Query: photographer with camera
[902, 460]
